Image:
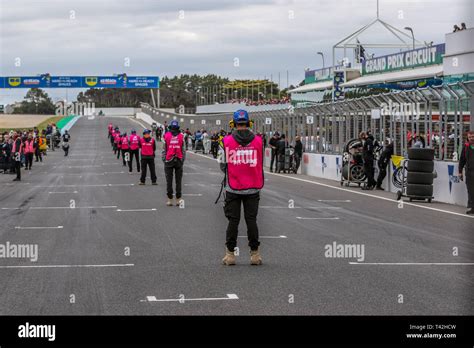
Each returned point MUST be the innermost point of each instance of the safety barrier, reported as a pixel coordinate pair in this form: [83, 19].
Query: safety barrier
[440, 115]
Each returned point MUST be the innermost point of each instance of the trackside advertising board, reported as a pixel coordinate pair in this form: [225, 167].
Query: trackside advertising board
[47, 81]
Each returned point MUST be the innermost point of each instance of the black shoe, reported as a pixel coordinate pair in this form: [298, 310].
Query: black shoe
[379, 188]
[16, 179]
[470, 212]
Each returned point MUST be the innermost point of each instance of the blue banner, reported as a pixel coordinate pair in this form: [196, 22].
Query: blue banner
[47, 81]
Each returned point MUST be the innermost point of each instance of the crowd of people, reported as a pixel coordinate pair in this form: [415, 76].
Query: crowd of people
[272, 101]
[20, 148]
[456, 28]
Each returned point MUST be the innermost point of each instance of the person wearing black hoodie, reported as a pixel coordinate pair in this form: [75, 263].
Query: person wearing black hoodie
[383, 162]
[173, 155]
[241, 159]
[368, 157]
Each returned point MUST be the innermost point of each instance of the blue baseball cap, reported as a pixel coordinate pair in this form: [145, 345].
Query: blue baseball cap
[146, 131]
[174, 124]
[241, 116]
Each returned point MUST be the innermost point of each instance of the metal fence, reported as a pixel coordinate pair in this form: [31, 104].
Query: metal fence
[439, 115]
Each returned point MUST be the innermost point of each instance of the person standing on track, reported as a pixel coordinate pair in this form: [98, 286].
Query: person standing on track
[466, 162]
[125, 149]
[241, 159]
[118, 143]
[134, 142]
[273, 146]
[66, 138]
[29, 148]
[148, 146]
[114, 140]
[17, 150]
[368, 157]
[173, 156]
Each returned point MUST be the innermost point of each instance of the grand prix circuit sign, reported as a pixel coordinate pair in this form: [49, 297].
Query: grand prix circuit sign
[48, 81]
[409, 59]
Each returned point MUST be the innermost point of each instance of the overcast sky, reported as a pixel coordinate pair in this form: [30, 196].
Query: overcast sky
[169, 37]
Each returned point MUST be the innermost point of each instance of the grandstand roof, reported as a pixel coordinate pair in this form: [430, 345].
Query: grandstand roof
[396, 76]
[316, 86]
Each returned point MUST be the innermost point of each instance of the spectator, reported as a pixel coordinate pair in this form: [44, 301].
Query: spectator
[466, 162]
[298, 151]
[456, 28]
[281, 147]
[273, 145]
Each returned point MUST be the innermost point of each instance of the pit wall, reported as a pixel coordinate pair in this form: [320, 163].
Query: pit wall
[446, 188]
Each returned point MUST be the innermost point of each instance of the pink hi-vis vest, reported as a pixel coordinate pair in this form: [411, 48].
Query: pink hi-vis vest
[124, 141]
[14, 149]
[117, 137]
[147, 147]
[244, 164]
[29, 146]
[174, 145]
[134, 142]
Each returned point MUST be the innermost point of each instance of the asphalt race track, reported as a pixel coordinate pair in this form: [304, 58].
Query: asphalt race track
[121, 250]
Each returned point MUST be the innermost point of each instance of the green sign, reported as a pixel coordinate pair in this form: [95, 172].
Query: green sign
[404, 60]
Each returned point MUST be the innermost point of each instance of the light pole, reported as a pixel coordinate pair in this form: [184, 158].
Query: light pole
[412, 35]
[322, 55]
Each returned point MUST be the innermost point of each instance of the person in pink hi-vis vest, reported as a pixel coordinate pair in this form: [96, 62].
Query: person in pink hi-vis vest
[241, 159]
[173, 156]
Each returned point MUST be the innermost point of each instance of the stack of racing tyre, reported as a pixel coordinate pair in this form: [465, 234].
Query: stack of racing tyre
[420, 174]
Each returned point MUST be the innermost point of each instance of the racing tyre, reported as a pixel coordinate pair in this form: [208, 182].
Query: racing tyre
[417, 190]
[421, 154]
[420, 166]
[420, 178]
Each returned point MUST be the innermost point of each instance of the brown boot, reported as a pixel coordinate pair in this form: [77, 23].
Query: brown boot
[255, 258]
[229, 258]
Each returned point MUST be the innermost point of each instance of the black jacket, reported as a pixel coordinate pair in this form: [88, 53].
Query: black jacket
[299, 148]
[467, 160]
[369, 147]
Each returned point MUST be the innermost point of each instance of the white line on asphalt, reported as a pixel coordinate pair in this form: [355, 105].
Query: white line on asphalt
[38, 228]
[414, 263]
[192, 194]
[317, 218]
[335, 200]
[98, 207]
[70, 167]
[154, 299]
[111, 164]
[125, 210]
[268, 237]
[285, 207]
[63, 192]
[373, 196]
[362, 193]
[70, 266]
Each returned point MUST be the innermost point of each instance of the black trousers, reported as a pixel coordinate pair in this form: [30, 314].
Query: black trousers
[369, 171]
[38, 155]
[382, 174]
[124, 152]
[274, 156]
[133, 153]
[28, 160]
[297, 161]
[232, 207]
[115, 148]
[118, 152]
[17, 166]
[174, 167]
[150, 162]
[470, 188]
